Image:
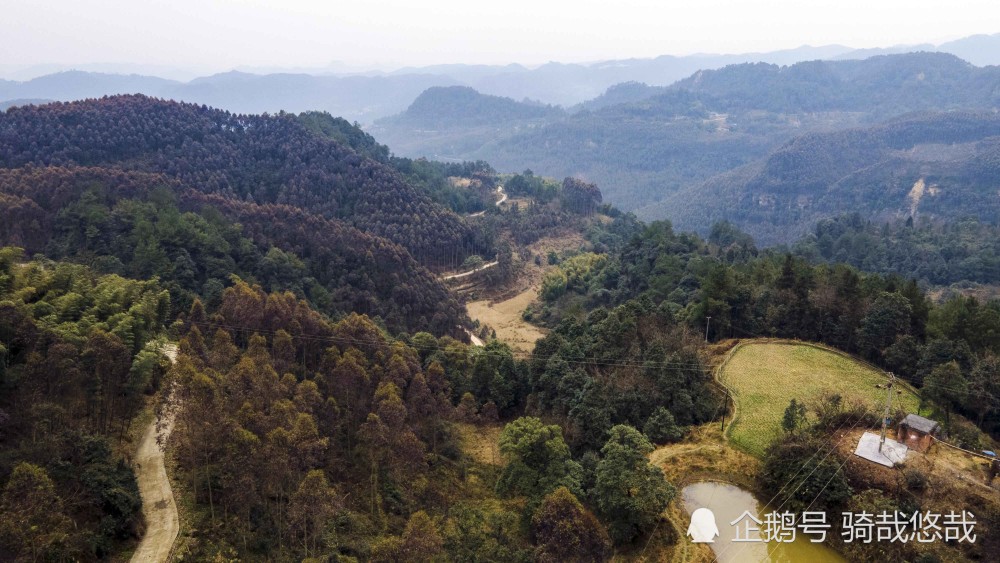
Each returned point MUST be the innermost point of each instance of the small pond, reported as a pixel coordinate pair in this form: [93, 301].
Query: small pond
[728, 502]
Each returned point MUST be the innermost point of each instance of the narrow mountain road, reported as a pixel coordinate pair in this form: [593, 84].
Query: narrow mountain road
[503, 198]
[470, 272]
[158, 506]
[476, 341]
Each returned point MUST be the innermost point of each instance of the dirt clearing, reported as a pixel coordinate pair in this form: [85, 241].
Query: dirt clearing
[505, 318]
[503, 311]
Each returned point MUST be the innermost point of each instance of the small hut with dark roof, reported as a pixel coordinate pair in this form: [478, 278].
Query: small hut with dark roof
[917, 432]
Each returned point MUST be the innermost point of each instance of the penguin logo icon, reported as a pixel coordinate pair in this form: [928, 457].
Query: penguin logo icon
[703, 528]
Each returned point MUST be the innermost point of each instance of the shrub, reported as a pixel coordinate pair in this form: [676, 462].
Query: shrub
[915, 479]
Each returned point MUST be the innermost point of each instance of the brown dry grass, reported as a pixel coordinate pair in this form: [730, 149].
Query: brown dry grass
[481, 442]
[706, 455]
[505, 318]
[952, 476]
[502, 309]
[955, 481]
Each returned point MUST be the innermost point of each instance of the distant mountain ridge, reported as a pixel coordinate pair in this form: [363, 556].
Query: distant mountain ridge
[449, 106]
[881, 85]
[454, 120]
[11, 103]
[352, 97]
[367, 96]
[714, 121]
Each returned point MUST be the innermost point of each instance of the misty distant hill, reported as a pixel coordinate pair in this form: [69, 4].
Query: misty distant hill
[980, 50]
[444, 121]
[369, 96]
[883, 85]
[570, 84]
[358, 98]
[12, 103]
[938, 165]
[461, 106]
[624, 93]
[74, 85]
[714, 121]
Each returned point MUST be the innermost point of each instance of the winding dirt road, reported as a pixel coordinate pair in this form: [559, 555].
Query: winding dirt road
[158, 506]
[503, 198]
[470, 272]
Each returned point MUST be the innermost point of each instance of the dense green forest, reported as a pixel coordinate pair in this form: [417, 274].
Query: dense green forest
[430, 175]
[78, 353]
[145, 225]
[304, 438]
[325, 405]
[341, 440]
[886, 319]
[935, 253]
[309, 204]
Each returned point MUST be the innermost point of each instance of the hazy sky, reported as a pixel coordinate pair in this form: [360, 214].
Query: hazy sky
[222, 34]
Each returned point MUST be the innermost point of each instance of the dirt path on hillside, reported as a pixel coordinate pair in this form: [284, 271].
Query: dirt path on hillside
[476, 341]
[470, 272]
[503, 198]
[158, 506]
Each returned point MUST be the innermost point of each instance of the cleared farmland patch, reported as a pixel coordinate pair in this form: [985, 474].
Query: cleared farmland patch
[765, 376]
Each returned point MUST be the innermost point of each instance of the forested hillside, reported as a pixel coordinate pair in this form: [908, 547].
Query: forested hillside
[459, 106]
[879, 87]
[322, 402]
[934, 253]
[433, 176]
[142, 187]
[299, 437]
[78, 352]
[143, 225]
[263, 159]
[748, 293]
[935, 165]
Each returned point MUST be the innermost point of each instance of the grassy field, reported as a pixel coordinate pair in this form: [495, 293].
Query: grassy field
[765, 376]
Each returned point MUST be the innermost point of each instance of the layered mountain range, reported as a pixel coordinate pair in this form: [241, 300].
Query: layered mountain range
[701, 149]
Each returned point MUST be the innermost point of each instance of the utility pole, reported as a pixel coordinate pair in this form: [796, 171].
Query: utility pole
[708, 321]
[888, 408]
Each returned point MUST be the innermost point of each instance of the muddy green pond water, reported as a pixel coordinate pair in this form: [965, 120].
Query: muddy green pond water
[727, 503]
